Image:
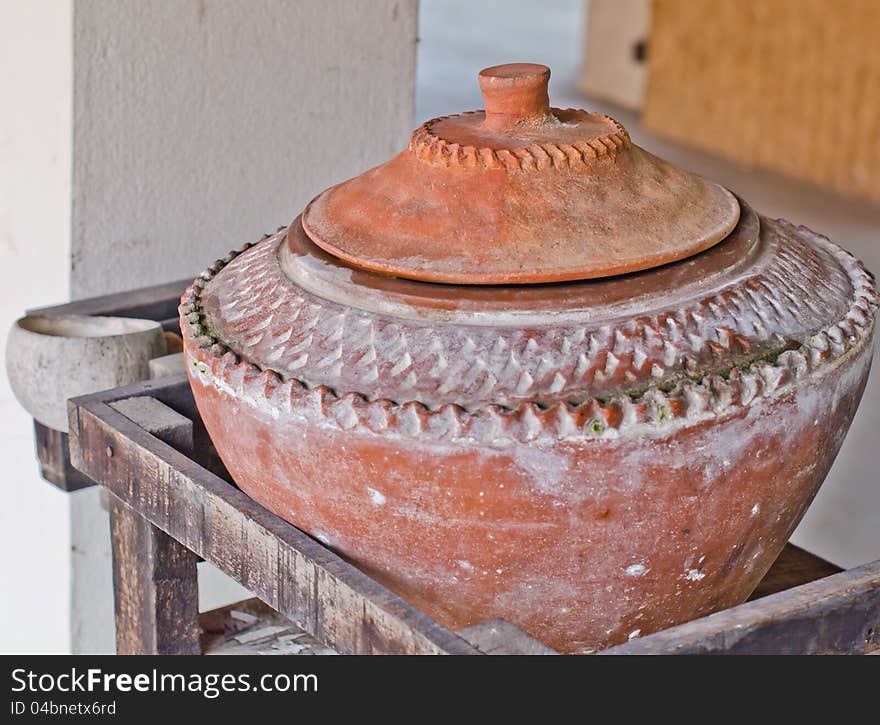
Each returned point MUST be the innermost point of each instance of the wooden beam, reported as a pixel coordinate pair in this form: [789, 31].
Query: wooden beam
[158, 302]
[54, 457]
[159, 420]
[839, 614]
[253, 628]
[793, 567]
[155, 579]
[500, 637]
[155, 587]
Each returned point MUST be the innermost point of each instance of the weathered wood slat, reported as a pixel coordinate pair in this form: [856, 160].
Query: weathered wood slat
[169, 324]
[158, 302]
[297, 576]
[155, 578]
[500, 637]
[251, 627]
[793, 567]
[54, 457]
[155, 584]
[158, 420]
[167, 366]
[173, 391]
[839, 614]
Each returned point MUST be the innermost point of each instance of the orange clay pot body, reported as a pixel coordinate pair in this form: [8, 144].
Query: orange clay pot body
[581, 544]
[592, 461]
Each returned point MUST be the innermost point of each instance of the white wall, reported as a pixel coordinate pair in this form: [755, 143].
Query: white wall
[35, 132]
[202, 124]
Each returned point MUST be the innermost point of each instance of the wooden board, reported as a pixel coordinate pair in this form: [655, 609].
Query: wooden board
[53, 455]
[158, 302]
[793, 567]
[839, 614]
[253, 628]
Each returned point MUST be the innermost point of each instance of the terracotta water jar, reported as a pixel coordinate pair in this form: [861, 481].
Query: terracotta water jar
[526, 369]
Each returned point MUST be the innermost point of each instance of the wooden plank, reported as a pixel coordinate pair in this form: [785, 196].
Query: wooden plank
[252, 627]
[53, 455]
[173, 391]
[158, 302]
[500, 637]
[167, 365]
[169, 324]
[155, 587]
[155, 579]
[297, 576]
[793, 567]
[159, 420]
[839, 614]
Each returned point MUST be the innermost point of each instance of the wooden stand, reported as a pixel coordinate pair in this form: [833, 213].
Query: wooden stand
[53, 453]
[172, 501]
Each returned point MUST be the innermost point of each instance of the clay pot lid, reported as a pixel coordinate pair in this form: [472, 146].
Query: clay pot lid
[519, 193]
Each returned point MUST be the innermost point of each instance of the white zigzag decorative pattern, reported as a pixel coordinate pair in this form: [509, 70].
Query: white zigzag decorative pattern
[686, 402]
[267, 319]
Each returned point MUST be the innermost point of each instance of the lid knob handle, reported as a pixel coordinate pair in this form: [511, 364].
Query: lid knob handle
[515, 93]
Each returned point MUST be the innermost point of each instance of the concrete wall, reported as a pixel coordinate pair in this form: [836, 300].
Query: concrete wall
[201, 124]
[35, 156]
[147, 138]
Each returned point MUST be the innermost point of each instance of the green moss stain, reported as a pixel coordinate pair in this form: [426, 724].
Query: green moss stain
[670, 384]
[664, 413]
